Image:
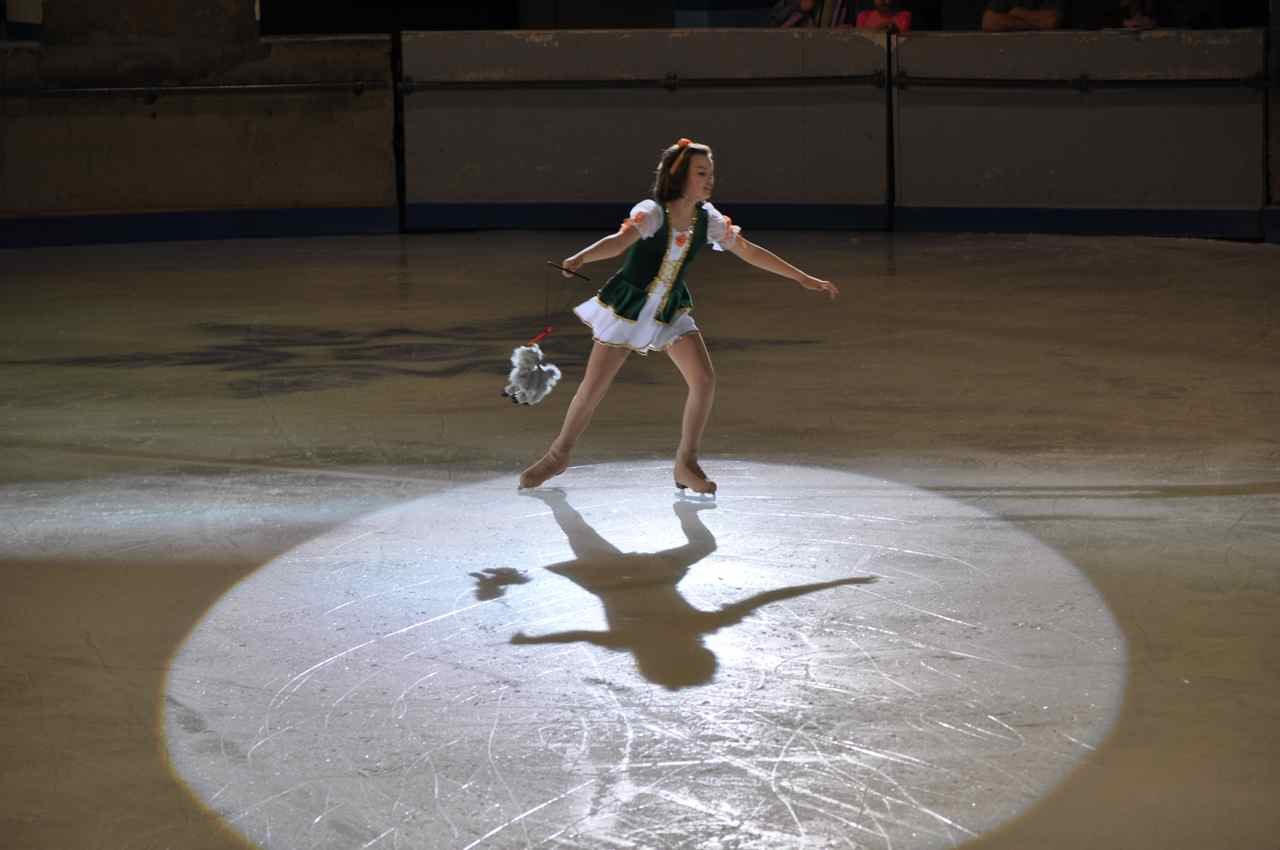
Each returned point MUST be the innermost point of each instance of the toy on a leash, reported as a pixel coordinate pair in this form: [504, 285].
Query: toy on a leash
[531, 379]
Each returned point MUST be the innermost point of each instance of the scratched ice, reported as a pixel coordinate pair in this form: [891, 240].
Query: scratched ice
[818, 659]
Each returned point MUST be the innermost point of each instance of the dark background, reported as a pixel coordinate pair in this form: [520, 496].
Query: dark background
[281, 17]
[301, 17]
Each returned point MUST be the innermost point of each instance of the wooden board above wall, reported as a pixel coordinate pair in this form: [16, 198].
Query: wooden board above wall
[304, 17]
[68, 22]
[627, 14]
[296, 17]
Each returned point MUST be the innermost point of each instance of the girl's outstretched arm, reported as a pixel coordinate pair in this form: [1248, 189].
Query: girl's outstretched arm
[610, 246]
[765, 259]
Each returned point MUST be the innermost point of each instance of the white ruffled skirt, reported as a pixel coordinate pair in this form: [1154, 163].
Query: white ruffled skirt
[643, 335]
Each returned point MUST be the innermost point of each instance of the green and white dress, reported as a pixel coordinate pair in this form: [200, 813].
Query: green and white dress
[645, 305]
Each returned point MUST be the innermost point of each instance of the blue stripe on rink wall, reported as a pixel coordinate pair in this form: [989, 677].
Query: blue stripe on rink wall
[1227, 224]
[1271, 224]
[212, 224]
[608, 215]
[231, 224]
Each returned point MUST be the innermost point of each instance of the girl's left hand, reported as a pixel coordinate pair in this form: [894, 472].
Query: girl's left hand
[819, 285]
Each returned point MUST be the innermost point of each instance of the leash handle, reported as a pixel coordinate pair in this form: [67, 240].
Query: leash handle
[570, 271]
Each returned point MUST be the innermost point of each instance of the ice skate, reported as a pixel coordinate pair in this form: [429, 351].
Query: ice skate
[689, 475]
[551, 465]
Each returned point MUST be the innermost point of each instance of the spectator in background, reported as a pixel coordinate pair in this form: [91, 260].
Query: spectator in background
[792, 13]
[1009, 15]
[1138, 14]
[1184, 14]
[1194, 14]
[886, 17]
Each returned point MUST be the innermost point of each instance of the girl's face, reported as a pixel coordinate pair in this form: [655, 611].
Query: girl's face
[701, 179]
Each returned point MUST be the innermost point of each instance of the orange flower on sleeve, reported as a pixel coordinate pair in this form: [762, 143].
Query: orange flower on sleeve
[635, 221]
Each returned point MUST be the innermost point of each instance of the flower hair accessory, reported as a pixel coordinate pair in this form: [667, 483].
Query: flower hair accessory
[683, 144]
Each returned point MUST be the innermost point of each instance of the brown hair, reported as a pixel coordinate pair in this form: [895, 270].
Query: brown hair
[668, 186]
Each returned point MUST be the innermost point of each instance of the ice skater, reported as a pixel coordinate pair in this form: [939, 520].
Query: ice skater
[646, 305]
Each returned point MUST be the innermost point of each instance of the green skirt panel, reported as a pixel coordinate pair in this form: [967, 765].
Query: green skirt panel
[678, 299]
[623, 296]
[627, 300]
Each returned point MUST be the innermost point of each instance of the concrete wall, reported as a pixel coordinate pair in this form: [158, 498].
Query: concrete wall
[207, 150]
[1188, 151]
[1103, 54]
[1174, 148]
[548, 122]
[117, 154]
[1271, 218]
[512, 127]
[149, 21]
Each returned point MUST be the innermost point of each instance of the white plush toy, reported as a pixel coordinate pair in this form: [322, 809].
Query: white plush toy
[530, 379]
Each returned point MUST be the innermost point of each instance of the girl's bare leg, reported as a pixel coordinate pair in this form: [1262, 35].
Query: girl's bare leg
[689, 353]
[602, 366]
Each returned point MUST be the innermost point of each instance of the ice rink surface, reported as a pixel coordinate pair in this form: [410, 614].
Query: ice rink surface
[993, 562]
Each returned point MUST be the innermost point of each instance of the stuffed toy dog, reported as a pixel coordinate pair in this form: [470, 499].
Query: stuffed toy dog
[530, 379]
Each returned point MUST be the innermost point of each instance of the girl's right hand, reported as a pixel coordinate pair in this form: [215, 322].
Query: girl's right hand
[572, 264]
[819, 285]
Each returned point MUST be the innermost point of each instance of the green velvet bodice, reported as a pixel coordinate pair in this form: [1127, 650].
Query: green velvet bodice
[626, 292]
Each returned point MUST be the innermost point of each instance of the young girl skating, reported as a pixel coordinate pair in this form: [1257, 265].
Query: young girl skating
[645, 306]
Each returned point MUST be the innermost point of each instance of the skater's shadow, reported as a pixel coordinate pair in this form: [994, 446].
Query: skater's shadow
[492, 583]
[646, 614]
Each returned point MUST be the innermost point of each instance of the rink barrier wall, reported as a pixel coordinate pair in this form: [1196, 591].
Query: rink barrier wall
[195, 225]
[571, 118]
[1098, 132]
[1273, 110]
[1162, 130]
[1244, 224]
[1271, 224]
[1091, 132]
[604, 215]
[273, 137]
[1273, 132]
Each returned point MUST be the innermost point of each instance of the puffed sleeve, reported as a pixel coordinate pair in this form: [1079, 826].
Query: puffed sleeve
[646, 218]
[722, 233]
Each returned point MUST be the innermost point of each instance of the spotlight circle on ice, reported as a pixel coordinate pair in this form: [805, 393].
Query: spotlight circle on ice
[816, 660]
